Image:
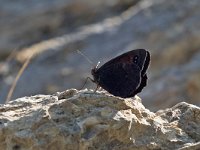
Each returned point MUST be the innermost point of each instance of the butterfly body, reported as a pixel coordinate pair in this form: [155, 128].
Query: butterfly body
[125, 75]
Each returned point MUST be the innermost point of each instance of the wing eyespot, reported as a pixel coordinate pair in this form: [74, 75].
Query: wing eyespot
[135, 59]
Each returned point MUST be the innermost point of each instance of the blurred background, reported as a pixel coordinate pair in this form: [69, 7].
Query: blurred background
[51, 32]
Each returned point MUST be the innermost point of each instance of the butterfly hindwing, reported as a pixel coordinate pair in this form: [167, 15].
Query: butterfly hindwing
[119, 79]
[143, 83]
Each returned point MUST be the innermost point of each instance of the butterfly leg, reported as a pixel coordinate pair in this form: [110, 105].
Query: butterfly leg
[96, 88]
[86, 82]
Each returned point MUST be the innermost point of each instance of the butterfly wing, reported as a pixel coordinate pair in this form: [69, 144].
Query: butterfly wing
[143, 83]
[130, 57]
[119, 79]
[144, 78]
[146, 63]
[124, 75]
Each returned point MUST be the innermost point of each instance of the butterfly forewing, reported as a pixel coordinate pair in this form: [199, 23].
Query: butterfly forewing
[132, 57]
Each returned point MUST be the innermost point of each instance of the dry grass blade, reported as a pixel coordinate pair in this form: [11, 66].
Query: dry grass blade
[10, 93]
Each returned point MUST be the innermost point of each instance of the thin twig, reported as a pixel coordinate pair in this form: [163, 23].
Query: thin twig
[10, 93]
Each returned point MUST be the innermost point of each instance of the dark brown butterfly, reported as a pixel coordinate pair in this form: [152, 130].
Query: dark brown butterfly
[125, 75]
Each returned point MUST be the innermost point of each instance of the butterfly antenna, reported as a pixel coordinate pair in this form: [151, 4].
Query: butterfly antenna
[78, 51]
[85, 57]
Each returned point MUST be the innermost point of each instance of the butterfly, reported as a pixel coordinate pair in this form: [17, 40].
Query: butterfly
[124, 75]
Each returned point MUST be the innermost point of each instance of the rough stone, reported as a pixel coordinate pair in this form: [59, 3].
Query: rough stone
[86, 120]
[169, 29]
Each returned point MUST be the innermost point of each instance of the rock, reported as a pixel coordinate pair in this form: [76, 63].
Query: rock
[86, 120]
[164, 27]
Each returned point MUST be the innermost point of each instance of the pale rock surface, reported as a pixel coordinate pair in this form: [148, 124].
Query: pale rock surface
[83, 120]
[170, 30]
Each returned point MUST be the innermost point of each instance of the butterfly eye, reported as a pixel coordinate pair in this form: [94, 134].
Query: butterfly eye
[135, 60]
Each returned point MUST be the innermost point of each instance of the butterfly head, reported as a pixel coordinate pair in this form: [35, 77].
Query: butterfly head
[94, 70]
